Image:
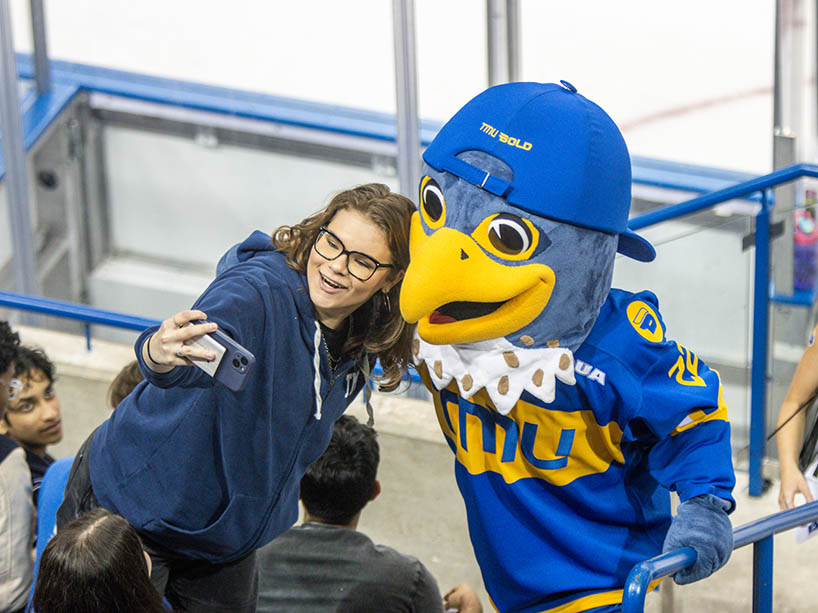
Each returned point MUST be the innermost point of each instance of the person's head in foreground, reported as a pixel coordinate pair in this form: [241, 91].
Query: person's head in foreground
[338, 485]
[123, 384]
[95, 564]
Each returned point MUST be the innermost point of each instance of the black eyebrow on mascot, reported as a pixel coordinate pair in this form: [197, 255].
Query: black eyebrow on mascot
[570, 413]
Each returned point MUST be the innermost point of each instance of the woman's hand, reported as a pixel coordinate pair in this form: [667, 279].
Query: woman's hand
[170, 344]
[463, 599]
[792, 483]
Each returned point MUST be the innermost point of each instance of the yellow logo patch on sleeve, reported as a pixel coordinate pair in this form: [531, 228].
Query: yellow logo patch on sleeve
[645, 321]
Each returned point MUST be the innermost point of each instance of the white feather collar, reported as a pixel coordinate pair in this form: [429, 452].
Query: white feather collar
[505, 371]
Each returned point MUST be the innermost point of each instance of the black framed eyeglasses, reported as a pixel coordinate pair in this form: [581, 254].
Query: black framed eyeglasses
[360, 265]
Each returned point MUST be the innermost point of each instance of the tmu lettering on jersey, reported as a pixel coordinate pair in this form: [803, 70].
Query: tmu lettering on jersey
[531, 441]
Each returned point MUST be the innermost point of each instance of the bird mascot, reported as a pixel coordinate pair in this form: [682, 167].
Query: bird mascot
[570, 413]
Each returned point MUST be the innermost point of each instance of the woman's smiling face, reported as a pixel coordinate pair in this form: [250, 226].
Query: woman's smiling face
[334, 292]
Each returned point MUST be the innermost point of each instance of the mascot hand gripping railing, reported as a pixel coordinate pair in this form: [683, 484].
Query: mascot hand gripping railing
[571, 414]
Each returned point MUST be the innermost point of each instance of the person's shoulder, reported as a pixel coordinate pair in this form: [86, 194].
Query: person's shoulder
[629, 330]
[265, 277]
[629, 315]
[403, 569]
[14, 469]
[7, 445]
[38, 464]
[283, 542]
[397, 558]
[267, 270]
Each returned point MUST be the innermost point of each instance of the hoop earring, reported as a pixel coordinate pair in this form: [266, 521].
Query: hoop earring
[386, 301]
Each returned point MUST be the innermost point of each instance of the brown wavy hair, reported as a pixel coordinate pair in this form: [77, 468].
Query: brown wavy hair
[124, 383]
[376, 328]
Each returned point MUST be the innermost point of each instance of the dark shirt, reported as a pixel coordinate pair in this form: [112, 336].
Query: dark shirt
[335, 340]
[37, 465]
[318, 568]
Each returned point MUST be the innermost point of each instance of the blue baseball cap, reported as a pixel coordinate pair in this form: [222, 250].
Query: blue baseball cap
[568, 158]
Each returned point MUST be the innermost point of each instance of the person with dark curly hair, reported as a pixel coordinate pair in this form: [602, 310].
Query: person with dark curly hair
[16, 506]
[9, 344]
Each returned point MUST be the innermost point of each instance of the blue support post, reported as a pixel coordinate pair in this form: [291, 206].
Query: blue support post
[758, 387]
[763, 575]
[88, 337]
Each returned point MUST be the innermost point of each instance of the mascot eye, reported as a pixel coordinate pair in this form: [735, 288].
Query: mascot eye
[509, 235]
[432, 203]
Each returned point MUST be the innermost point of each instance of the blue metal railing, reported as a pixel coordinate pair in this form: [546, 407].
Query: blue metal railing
[761, 289]
[79, 312]
[760, 533]
[90, 315]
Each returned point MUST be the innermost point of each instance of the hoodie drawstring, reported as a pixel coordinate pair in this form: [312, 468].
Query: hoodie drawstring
[367, 393]
[317, 363]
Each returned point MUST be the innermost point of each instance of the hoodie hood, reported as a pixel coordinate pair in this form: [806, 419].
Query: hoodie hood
[258, 242]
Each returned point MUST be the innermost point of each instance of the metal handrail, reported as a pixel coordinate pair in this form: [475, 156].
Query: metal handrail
[740, 190]
[80, 312]
[759, 532]
[91, 315]
[761, 289]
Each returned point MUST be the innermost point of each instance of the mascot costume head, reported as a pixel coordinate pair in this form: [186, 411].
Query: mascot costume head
[523, 206]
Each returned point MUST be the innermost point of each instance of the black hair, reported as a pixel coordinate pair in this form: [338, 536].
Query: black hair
[340, 482]
[31, 359]
[95, 564]
[9, 344]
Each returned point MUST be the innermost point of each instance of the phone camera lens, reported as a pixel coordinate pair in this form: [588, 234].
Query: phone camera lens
[236, 363]
[244, 360]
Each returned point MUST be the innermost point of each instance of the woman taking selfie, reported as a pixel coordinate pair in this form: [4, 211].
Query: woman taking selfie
[207, 475]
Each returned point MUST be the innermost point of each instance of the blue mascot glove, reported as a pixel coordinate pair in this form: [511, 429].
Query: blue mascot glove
[701, 523]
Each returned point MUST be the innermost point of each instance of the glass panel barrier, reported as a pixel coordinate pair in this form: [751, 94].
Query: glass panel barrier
[189, 200]
[703, 280]
[168, 198]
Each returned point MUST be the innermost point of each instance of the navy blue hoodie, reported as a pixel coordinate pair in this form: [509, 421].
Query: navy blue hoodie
[214, 474]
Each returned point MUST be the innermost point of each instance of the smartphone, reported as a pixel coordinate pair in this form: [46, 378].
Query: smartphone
[233, 362]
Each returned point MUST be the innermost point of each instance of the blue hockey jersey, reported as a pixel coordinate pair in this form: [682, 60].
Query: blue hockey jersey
[564, 498]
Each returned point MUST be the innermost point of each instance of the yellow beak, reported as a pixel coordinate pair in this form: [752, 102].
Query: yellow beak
[450, 267]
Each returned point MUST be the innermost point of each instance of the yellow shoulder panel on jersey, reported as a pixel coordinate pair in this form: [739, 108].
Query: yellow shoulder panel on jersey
[699, 417]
